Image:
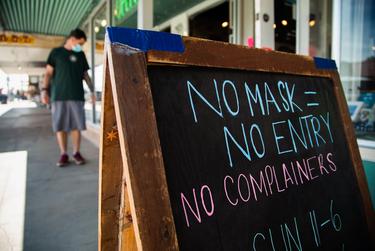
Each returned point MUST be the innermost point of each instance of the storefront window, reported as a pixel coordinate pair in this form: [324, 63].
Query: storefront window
[88, 52]
[320, 28]
[285, 25]
[99, 23]
[166, 9]
[357, 64]
[211, 24]
[125, 13]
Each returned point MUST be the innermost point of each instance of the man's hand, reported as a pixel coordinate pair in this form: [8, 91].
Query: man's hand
[45, 97]
[47, 77]
[93, 98]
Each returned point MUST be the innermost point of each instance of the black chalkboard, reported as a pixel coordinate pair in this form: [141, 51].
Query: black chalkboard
[236, 180]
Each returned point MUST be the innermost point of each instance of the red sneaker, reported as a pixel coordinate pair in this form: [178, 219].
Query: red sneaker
[78, 159]
[63, 161]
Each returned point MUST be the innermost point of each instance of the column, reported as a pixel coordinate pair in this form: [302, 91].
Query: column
[145, 14]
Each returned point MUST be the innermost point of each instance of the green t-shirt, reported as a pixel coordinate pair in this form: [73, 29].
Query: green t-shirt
[69, 67]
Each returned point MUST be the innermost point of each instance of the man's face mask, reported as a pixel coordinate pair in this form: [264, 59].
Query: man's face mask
[77, 48]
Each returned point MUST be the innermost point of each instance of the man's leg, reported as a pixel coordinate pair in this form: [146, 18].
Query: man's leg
[76, 139]
[62, 141]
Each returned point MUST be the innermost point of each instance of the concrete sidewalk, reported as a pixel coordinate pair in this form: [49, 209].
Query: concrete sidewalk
[60, 204]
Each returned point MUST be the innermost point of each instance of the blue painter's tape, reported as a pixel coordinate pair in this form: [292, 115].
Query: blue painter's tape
[324, 63]
[145, 40]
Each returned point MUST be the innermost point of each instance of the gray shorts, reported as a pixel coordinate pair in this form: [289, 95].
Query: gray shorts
[68, 115]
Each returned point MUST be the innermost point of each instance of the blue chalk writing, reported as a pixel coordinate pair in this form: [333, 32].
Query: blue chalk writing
[270, 99]
[285, 102]
[308, 131]
[326, 122]
[255, 238]
[278, 138]
[312, 104]
[335, 218]
[246, 152]
[290, 236]
[314, 227]
[290, 98]
[218, 110]
[310, 93]
[294, 134]
[324, 223]
[263, 151]
[296, 239]
[271, 237]
[316, 129]
[254, 131]
[234, 113]
[256, 98]
[282, 234]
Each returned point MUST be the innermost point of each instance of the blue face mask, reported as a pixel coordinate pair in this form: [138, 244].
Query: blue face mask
[77, 48]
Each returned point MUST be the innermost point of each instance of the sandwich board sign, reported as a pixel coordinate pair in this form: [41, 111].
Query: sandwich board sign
[213, 146]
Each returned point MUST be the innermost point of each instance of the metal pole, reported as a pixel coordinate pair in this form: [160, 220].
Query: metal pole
[303, 29]
[145, 14]
[109, 12]
[93, 42]
[8, 91]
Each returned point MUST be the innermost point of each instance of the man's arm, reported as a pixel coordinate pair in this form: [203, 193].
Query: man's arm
[45, 85]
[89, 83]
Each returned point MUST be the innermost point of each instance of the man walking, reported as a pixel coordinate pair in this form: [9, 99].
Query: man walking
[66, 68]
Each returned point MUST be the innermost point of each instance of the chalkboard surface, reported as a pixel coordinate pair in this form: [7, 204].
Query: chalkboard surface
[256, 161]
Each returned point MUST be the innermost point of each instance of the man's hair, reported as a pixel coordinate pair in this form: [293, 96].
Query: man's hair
[78, 33]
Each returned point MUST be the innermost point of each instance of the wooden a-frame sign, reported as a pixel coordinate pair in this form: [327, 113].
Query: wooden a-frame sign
[138, 206]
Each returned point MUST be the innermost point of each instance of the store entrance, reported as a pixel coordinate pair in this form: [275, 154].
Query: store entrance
[211, 24]
[285, 25]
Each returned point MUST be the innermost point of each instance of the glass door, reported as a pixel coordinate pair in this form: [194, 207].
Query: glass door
[294, 26]
[275, 24]
[285, 25]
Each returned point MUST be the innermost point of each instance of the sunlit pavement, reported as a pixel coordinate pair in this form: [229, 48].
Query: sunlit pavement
[4, 108]
[43, 207]
[12, 199]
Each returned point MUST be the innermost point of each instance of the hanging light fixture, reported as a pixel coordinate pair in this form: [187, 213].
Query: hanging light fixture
[312, 20]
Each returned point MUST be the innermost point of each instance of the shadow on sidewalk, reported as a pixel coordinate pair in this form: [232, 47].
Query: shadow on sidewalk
[60, 203]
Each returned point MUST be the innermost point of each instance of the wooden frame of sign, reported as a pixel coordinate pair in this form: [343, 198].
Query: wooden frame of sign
[131, 217]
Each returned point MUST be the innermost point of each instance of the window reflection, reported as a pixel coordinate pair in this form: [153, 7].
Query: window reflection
[357, 63]
[320, 28]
